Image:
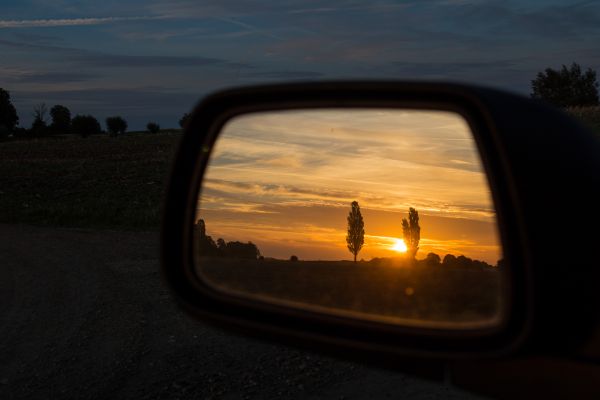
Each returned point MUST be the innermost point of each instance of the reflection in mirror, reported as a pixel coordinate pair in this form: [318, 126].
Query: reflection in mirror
[379, 214]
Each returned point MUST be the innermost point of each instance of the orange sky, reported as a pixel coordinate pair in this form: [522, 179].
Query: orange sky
[285, 181]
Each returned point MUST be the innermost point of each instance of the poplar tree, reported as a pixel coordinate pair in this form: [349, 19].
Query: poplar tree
[412, 232]
[356, 230]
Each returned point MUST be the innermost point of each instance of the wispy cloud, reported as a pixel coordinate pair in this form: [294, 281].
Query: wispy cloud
[45, 23]
[52, 77]
[285, 74]
[105, 60]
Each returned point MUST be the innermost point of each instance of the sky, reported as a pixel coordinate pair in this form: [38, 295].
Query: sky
[285, 181]
[154, 59]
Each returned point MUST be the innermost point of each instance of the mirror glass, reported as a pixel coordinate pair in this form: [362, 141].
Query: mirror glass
[378, 214]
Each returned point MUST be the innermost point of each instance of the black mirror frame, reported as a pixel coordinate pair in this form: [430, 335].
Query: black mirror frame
[339, 334]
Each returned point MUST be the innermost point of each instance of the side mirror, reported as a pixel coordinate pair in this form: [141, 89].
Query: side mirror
[277, 192]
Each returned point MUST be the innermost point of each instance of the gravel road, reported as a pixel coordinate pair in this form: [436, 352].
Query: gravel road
[84, 314]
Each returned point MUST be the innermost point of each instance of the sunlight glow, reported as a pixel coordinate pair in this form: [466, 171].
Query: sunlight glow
[399, 246]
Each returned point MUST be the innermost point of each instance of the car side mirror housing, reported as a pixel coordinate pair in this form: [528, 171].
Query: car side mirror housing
[258, 149]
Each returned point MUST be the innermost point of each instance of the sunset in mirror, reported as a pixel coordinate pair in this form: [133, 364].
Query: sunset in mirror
[285, 181]
[376, 213]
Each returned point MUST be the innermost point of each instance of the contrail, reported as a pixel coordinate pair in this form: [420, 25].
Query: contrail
[42, 23]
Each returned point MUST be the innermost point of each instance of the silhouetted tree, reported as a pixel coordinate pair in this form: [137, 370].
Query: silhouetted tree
[567, 87]
[85, 125]
[356, 232]
[463, 262]
[411, 232]
[205, 244]
[294, 258]
[200, 229]
[242, 250]
[39, 126]
[8, 114]
[153, 127]
[449, 261]
[61, 119]
[116, 125]
[433, 259]
[184, 120]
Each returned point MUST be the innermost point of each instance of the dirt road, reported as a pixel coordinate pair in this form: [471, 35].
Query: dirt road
[84, 314]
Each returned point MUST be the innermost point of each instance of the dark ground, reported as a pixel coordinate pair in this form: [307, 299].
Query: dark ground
[84, 314]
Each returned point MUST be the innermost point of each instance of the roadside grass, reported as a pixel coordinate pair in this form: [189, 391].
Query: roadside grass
[95, 182]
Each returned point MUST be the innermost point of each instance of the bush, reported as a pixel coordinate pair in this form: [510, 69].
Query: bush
[85, 125]
[184, 120]
[38, 127]
[294, 258]
[153, 127]
[116, 125]
[61, 119]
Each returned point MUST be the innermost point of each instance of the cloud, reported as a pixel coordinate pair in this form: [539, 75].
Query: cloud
[52, 77]
[106, 60]
[45, 23]
[285, 74]
[36, 38]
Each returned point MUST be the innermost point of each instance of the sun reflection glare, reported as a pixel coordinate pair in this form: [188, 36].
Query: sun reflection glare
[399, 246]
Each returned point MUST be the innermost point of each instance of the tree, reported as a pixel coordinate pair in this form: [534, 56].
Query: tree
[205, 245]
[184, 120]
[433, 259]
[356, 232]
[411, 232]
[85, 125]
[61, 119]
[40, 111]
[8, 114]
[116, 125]
[39, 126]
[293, 258]
[449, 261]
[153, 127]
[221, 245]
[242, 250]
[567, 87]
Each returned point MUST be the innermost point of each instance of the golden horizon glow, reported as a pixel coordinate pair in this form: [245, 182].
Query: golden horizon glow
[399, 246]
[285, 180]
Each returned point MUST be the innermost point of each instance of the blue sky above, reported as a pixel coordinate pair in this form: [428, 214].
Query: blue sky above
[152, 60]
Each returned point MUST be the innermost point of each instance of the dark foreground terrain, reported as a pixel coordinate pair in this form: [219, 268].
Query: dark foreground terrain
[405, 293]
[84, 315]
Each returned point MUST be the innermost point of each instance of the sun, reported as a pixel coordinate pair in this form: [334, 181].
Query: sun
[399, 246]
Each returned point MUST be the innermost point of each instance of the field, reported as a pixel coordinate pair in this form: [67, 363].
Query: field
[97, 182]
[420, 295]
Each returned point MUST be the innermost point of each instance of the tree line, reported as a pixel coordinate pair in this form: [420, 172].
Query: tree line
[207, 247]
[411, 232]
[58, 120]
[565, 87]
